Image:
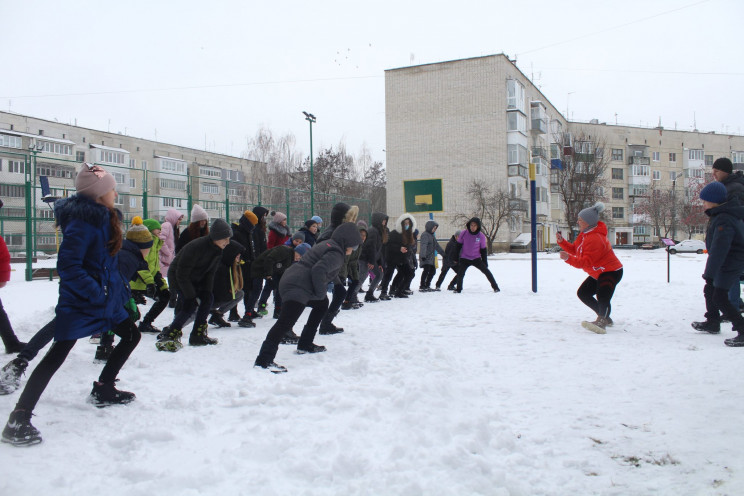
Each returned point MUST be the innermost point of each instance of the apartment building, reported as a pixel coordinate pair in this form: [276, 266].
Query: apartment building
[171, 172]
[481, 119]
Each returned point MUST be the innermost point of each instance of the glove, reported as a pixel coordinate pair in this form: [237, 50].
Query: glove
[139, 298]
[160, 281]
[132, 310]
[151, 291]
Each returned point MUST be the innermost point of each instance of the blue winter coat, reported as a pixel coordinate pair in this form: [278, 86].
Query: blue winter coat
[92, 291]
[724, 241]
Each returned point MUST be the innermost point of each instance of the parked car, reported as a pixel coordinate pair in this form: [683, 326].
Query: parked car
[688, 246]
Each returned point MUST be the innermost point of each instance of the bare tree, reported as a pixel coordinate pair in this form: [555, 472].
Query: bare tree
[691, 212]
[492, 207]
[582, 178]
[658, 208]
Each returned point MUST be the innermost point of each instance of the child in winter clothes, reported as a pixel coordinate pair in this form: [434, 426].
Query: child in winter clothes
[150, 282]
[297, 239]
[269, 267]
[10, 340]
[428, 248]
[191, 275]
[357, 272]
[340, 213]
[228, 284]
[449, 261]
[243, 234]
[169, 232]
[92, 296]
[304, 284]
[310, 230]
[724, 240]
[372, 253]
[592, 252]
[198, 227]
[396, 256]
[278, 231]
[472, 246]
[260, 245]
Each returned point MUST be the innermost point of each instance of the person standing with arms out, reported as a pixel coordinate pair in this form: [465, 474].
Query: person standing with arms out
[92, 296]
[10, 340]
[592, 252]
[473, 252]
[724, 240]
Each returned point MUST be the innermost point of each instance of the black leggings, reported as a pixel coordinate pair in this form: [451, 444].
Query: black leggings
[603, 287]
[59, 350]
[478, 264]
[427, 274]
[291, 311]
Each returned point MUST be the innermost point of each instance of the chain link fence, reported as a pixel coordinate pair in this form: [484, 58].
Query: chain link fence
[27, 218]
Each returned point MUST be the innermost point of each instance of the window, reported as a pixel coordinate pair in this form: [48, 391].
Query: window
[172, 202]
[14, 239]
[672, 157]
[132, 202]
[655, 156]
[514, 224]
[638, 190]
[16, 166]
[56, 148]
[737, 157]
[695, 154]
[618, 193]
[80, 156]
[12, 191]
[618, 212]
[10, 141]
[617, 173]
[514, 95]
[119, 177]
[132, 163]
[640, 230]
[14, 212]
[110, 157]
[657, 175]
[45, 213]
[517, 155]
[617, 154]
[210, 172]
[210, 188]
[697, 173]
[119, 200]
[172, 184]
[709, 160]
[144, 165]
[516, 122]
[132, 182]
[640, 170]
[672, 175]
[555, 151]
[172, 165]
[46, 241]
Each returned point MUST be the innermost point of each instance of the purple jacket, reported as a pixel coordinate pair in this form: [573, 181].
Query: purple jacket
[472, 244]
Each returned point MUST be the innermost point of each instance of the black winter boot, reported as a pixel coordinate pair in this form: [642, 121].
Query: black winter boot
[708, 326]
[106, 394]
[326, 325]
[19, 431]
[146, 327]
[169, 340]
[233, 316]
[199, 336]
[246, 321]
[290, 338]
[311, 348]
[10, 375]
[217, 320]
[103, 352]
[736, 342]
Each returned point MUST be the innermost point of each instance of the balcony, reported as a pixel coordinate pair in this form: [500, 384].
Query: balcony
[539, 151]
[518, 204]
[539, 126]
[518, 170]
[639, 160]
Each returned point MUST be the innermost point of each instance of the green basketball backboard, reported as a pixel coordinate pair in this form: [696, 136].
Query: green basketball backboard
[423, 195]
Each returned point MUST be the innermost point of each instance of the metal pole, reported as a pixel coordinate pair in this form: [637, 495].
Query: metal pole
[312, 178]
[144, 195]
[29, 215]
[533, 226]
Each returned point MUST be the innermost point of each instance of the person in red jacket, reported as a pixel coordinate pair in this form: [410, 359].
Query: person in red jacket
[10, 340]
[278, 231]
[593, 253]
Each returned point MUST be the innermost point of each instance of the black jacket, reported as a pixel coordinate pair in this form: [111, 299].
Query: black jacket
[131, 260]
[734, 183]
[724, 240]
[372, 248]
[223, 286]
[273, 262]
[193, 268]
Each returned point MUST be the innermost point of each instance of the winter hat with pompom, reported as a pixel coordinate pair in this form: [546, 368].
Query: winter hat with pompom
[591, 215]
[279, 217]
[139, 234]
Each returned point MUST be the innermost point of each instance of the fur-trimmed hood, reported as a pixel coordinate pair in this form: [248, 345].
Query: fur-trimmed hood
[81, 208]
[398, 223]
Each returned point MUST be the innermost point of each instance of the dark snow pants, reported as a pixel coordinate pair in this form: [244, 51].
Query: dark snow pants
[604, 288]
[717, 302]
[478, 264]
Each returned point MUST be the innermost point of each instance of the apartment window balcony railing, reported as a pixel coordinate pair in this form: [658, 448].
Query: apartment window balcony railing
[518, 204]
[539, 126]
[518, 170]
[539, 151]
[639, 160]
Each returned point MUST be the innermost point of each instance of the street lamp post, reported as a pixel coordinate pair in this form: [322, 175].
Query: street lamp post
[311, 119]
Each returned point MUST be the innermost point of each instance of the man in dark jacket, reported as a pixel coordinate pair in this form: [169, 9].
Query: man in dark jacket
[724, 240]
[723, 172]
[372, 252]
[192, 275]
[340, 213]
[243, 234]
[304, 284]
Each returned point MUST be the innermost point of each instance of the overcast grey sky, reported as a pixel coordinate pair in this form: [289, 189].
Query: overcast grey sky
[199, 73]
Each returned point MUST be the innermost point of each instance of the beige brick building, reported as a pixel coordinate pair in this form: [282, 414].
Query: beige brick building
[483, 119]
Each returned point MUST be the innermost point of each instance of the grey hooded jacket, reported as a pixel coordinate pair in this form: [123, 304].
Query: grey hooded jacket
[428, 243]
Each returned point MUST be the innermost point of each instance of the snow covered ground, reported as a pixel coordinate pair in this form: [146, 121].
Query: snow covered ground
[440, 394]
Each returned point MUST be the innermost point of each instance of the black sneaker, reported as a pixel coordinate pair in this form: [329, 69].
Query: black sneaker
[19, 431]
[272, 367]
[148, 328]
[106, 394]
[371, 299]
[458, 291]
[347, 305]
[407, 292]
[233, 316]
[10, 375]
[290, 338]
[437, 288]
[400, 294]
[330, 329]
[311, 348]
[246, 322]
[707, 326]
[253, 315]
[451, 288]
[736, 342]
[169, 340]
[199, 337]
[217, 320]
[103, 352]
[384, 297]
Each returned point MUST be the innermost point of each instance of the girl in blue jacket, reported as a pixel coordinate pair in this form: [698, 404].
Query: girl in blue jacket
[92, 297]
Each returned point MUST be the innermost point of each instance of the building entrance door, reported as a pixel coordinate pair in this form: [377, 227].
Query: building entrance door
[621, 238]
